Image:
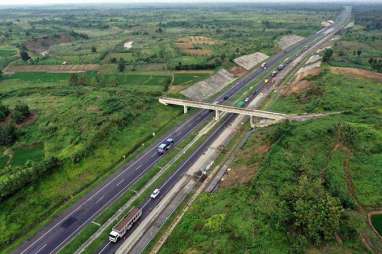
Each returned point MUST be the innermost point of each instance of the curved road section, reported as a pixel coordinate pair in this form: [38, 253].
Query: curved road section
[60, 231]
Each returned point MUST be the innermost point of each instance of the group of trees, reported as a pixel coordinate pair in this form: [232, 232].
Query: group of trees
[328, 53]
[8, 132]
[20, 177]
[313, 214]
[376, 64]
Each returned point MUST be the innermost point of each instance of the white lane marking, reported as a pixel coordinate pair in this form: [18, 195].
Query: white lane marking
[41, 248]
[98, 200]
[104, 248]
[119, 183]
[104, 187]
[103, 206]
[96, 223]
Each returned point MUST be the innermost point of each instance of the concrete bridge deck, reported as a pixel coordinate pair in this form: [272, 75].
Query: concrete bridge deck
[223, 108]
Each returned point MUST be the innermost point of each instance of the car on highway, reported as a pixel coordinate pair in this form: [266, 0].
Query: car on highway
[264, 66]
[274, 73]
[155, 193]
[246, 99]
[266, 81]
[167, 144]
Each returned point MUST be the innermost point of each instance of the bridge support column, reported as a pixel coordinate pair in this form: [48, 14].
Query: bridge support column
[185, 109]
[217, 115]
[252, 121]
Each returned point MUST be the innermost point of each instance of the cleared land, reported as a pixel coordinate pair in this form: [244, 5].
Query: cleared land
[360, 73]
[52, 68]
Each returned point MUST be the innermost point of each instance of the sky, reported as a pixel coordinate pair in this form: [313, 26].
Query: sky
[50, 2]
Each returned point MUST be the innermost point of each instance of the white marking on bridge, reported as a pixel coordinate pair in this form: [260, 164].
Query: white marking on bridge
[40, 249]
[119, 183]
[98, 200]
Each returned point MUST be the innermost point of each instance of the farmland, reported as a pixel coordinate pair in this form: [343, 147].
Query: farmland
[62, 133]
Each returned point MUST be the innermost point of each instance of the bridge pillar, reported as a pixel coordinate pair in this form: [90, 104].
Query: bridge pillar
[185, 109]
[252, 121]
[217, 115]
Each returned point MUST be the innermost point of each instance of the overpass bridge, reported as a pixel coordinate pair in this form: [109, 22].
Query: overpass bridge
[218, 108]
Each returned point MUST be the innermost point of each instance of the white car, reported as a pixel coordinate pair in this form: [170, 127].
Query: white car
[155, 193]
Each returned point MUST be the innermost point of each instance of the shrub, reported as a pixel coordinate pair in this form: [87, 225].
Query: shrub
[7, 134]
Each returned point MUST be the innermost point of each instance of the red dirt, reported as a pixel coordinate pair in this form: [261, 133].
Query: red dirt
[357, 73]
[238, 71]
[29, 120]
[296, 88]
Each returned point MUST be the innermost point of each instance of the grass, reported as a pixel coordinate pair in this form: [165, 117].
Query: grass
[23, 154]
[377, 222]
[245, 218]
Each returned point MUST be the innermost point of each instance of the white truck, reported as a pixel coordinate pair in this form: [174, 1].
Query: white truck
[125, 224]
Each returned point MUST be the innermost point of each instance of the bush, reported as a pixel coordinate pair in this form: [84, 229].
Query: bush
[7, 134]
[20, 113]
[12, 183]
[4, 111]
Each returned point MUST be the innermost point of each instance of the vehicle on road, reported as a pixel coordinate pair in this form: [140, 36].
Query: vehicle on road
[246, 99]
[155, 193]
[280, 67]
[264, 66]
[274, 73]
[124, 225]
[167, 144]
[266, 81]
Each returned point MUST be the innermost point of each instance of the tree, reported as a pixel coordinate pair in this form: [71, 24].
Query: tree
[314, 213]
[73, 79]
[94, 49]
[24, 55]
[327, 55]
[1, 74]
[121, 65]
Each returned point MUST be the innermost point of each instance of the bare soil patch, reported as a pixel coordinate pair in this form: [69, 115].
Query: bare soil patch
[240, 175]
[296, 88]
[357, 73]
[195, 45]
[238, 71]
[39, 45]
[52, 68]
[28, 121]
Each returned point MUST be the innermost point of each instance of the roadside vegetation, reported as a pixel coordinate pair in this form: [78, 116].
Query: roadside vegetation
[361, 45]
[313, 181]
[61, 133]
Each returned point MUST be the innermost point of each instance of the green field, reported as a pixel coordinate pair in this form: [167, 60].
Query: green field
[377, 222]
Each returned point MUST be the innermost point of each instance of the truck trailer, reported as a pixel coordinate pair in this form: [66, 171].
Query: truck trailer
[125, 224]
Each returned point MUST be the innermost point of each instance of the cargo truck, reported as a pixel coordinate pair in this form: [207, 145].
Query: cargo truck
[125, 224]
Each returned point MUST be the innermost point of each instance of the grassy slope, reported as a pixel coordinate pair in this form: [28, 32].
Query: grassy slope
[244, 218]
[69, 119]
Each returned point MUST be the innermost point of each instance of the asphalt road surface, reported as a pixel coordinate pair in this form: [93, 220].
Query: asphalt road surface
[56, 234]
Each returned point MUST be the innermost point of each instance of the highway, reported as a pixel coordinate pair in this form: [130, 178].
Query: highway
[60, 231]
[149, 204]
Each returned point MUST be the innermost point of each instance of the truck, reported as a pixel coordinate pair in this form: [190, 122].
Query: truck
[119, 230]
[163, 147]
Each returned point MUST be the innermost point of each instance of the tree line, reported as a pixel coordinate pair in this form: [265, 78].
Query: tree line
[8, 133]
